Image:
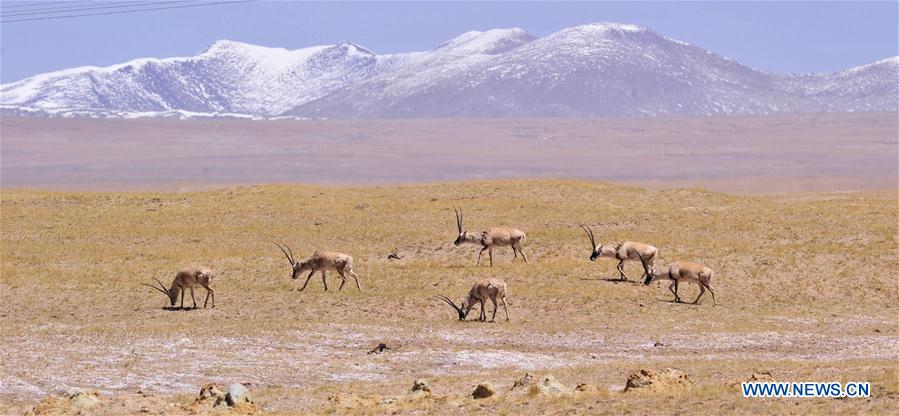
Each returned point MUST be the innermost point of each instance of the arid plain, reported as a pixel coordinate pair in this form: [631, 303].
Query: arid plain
[800, 228]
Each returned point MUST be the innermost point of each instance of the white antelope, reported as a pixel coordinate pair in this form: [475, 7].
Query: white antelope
[628, 250]
[492, 237]
[188, 279]
[492, 289]
[322, 261]
[682, 271]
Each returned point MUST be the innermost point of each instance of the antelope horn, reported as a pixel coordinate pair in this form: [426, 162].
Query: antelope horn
[289, 256]
[450, 302]
[154, 287]
[458, 219]
[590, 235]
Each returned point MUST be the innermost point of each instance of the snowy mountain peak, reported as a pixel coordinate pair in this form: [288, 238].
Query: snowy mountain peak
[491, 42]
[599, 69]
[351, 48]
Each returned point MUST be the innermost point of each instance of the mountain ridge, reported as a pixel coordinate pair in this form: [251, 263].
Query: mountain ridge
[593, 70]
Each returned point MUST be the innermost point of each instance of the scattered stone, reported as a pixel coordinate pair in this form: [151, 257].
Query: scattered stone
[659, 344]
[483, 391]
[525, 381]
[421, 385]
[586, 388]
[84, 400]
[382, 347]
[238, 393]
[210, 391]
[548, 386]
[52, 405]
[761, 376]
[665, 380]
[394, 256]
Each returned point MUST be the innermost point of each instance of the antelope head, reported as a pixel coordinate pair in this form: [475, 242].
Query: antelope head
[172, 293]
[595, 250]
[461, 238]
[296, 267]
[648, 269]
[462, 309]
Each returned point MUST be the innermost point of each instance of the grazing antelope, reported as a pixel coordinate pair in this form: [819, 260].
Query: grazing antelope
[188, 279]
[322, 261]
[628, 250]
[492, 289]
[682, 271]
[492, 237]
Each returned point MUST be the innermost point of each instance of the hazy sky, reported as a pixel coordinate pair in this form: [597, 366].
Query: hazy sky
[774, 36]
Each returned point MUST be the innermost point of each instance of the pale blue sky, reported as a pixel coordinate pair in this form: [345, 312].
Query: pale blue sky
[774, 36]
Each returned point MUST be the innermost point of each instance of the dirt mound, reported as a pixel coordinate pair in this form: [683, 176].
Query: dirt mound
[525, 381]
[483, 391]
[93, 403]
[75, 404]
[548, 386]
[666, 380]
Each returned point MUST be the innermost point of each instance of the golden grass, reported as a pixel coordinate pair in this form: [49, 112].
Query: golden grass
[821, 264]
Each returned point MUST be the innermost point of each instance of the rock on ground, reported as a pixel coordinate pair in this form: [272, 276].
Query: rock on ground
[421, 385]
[548, 386]
[525, 381]
[238, 393]
[483, 391]
[666, 380]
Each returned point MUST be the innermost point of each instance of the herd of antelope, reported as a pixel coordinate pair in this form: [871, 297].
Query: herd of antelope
[489, 289]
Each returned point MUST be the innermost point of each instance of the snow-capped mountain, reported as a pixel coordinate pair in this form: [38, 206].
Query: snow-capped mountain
[603, 69]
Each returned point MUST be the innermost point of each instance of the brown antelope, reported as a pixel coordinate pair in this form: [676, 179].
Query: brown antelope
[682, 271]
[188, 279]
[628, 250]
[322, 261]
[492, 289]
[492, 237]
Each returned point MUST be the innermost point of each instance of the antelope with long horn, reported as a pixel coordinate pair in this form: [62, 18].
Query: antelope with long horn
[187, 279]
[628, 250]
[682, 271]
[492, 289]
[322, 261]
[492, 237]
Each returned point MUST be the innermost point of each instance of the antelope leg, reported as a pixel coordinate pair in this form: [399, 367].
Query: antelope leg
[506, 309]
[490, 252]
[621, 269]
[712, 292]
[192, 297]
[325, 282]
[479, 255]
[307, 280]
[342, 280]
[701, 292]
[522, 255]
[495, 307]
[356, 278]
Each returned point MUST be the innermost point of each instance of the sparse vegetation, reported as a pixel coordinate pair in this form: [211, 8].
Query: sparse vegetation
[805, 283]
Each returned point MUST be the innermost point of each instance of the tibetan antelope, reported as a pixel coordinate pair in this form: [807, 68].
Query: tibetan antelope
[628, 250]
[188, 279]
[492, 289]
[322, 261]
[492, 237]
[682, 271]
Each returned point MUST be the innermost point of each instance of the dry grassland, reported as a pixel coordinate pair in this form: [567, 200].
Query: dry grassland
[806, 288]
